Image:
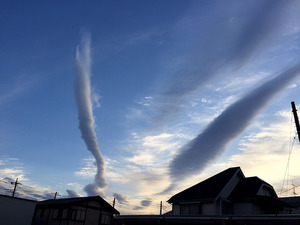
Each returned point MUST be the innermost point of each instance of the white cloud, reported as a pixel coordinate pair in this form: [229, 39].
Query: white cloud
[150, 150]
[88, 168]
[122, 199]
[11, 167]
[293, 86]
[12, 91]
[10, 170]
[137, 181]
[142, 159]
[244, 82]
[159, 142]
[72, 194]
[146, 101]
[95, 100]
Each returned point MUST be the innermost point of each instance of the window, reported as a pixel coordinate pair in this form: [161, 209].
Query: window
[184, 209]
[105, 218]
[55, 214]
[41, 212]
[227, 208]
[73, 214]
[64, 214]
[60, 214]
[80, 215]
[77, 214]
[190, 209]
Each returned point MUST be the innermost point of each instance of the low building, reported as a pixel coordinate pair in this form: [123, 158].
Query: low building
[16, 211]
[74, 211]
[228, 193]
[294, 203]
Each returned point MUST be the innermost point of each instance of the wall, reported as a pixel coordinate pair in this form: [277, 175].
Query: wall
[71, 215]
[247, 209]
[205, 209]
[92, 216]
[176, 209]
[208, 209]
[16, 211]
[242, 208]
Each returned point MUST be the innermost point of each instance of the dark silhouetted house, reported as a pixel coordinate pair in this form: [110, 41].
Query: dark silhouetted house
[294, 203]
[228, 192]
[16, 211]
[70, 211]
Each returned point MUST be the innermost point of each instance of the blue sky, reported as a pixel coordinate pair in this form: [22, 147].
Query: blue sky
[163, 74]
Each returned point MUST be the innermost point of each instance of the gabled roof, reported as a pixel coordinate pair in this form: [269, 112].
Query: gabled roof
[208, 189]
[295, 200]
[249, 187]
[77, 201]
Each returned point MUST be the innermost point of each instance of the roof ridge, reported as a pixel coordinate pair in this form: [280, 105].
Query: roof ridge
[214, 184]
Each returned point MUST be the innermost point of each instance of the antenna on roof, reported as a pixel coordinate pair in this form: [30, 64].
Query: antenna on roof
[294, 189]
[56, 194]
[296, 119]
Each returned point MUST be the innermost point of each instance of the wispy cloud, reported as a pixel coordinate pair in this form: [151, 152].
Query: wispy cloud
[212, 142]
[10, 170]
[12, 167]
[147, 202]
[143, 204]
[89, 168]
[121, 198]
[224, 57]
[116, 44]
[72, 194]
[265, 153]
[12, 91]
[150, 150]
[220, 46]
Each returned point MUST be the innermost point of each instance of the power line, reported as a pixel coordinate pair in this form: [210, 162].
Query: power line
[293, 188]
[291, 145]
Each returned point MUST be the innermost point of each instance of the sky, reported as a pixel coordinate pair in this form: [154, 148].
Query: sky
[139, 100]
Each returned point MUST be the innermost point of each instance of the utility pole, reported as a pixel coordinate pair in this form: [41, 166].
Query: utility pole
[296, 119]
[160, 208]
[114, 202]
[15, 183]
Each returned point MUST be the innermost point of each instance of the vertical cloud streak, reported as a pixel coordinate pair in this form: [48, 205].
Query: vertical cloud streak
[232, 122]
[82, 89]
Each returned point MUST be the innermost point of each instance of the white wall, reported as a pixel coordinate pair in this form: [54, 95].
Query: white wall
[16, 211]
